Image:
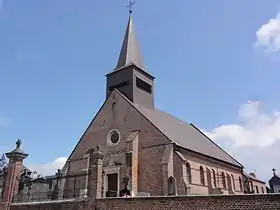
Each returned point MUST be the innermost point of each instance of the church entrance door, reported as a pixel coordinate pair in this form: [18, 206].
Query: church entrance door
[112, 180]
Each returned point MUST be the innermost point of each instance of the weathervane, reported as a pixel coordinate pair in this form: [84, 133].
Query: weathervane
[130, 5]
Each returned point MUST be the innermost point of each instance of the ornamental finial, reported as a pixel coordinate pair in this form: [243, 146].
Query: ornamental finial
[274, 171]
[18, 143]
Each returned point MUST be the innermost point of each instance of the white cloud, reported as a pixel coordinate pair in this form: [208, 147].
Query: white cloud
[48, 168]
[256, 129]
[254, 141]
[268, 35]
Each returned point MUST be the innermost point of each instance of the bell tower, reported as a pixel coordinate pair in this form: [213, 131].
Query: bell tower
[130, 76]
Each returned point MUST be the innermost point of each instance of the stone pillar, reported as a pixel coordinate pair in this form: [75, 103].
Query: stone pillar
[132, 144]
[135, 163]
[167, 167]
[95, 173]
[16, 158]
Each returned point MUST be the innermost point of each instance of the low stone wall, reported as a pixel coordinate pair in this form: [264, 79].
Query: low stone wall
[53, 205]
[225, 202]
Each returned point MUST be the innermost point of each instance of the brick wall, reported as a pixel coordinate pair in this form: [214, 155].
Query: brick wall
[126, 119]
[64, 205]
[267, 202]
[261, 187]
[11, 183]
[196, 160]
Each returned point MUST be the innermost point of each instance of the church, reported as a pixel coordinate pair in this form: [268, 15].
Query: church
[274, 182]
[148, 151]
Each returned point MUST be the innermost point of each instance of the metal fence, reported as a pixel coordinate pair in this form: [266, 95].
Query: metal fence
[50, 195]
[53, 188]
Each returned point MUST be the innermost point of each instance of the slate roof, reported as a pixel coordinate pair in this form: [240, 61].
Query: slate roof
[252, 177]
[184, 134]
[275, 178]
[130, 52]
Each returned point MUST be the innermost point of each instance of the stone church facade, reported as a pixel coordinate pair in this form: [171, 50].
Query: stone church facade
[147, 151]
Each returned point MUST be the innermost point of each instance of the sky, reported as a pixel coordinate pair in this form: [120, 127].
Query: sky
[216, 65]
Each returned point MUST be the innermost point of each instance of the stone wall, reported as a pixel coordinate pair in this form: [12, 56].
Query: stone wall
[267, 202]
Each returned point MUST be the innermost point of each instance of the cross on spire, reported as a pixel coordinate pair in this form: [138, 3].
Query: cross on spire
[130, 5]
[274, 171]
[18, 143]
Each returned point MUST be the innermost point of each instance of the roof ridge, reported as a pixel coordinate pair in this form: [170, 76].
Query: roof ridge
[274, 176]
[252, 177]
[171, 115]
[196, 128]
[135, 106]
[139, 109]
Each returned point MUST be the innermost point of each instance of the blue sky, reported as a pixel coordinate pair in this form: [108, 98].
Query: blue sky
[54, 55]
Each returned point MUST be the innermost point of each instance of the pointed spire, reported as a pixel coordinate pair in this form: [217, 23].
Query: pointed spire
[130, 53]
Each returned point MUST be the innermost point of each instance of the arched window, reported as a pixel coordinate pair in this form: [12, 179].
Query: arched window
[233, 182]
[202, 178]
[171, 186]
[257, 190]
[229, 183]
[214, 178]
[208, 173]
[224, 180]
[251, 186]
[189, 174]
[240, 184]
[262, 190]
